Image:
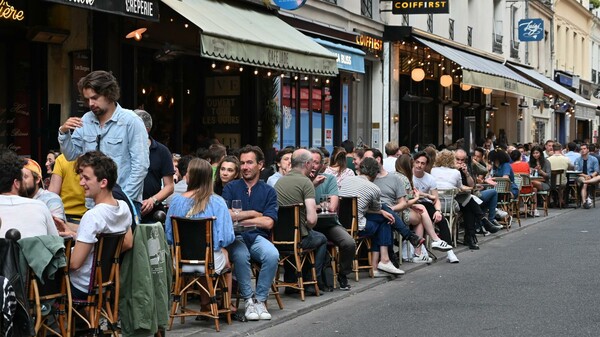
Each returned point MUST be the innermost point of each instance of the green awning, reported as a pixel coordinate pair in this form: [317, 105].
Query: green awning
[243, 35]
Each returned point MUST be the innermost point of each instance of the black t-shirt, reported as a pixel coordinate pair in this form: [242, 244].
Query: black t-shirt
[161, 165]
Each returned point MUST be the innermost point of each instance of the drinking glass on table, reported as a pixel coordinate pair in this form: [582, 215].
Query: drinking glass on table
[236, 207]
[325, 204]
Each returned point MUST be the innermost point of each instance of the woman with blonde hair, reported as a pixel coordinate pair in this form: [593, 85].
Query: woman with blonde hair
[199, 201]
[338, 166]
[447, 177]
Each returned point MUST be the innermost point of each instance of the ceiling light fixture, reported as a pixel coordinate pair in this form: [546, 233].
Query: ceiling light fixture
[136, 34]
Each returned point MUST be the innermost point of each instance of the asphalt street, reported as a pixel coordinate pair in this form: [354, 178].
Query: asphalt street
[539, 281]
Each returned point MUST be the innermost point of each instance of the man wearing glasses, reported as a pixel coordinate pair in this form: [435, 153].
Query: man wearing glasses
[118, 133]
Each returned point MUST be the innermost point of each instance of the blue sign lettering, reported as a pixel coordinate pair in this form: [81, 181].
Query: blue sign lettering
[289, 4]
[531, 30]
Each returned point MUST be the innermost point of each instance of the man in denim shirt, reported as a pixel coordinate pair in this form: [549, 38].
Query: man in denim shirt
[118, 133]
[588, 165]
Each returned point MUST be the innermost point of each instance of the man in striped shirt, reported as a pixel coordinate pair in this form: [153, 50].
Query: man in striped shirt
[372, 220]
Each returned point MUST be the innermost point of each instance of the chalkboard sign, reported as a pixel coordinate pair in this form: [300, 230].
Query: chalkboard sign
[81, 65]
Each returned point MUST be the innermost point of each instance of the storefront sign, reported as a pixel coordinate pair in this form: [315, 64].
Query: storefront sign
[9, 12]
[369, 42]
[564, 79]
[141, 9]
[420, 7]
[289, 4]
[531, 30]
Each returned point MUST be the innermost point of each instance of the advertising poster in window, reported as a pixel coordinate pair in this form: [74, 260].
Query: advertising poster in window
[344, 111]
[222, 109]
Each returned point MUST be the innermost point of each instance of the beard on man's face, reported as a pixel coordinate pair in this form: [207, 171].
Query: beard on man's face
[22, 190]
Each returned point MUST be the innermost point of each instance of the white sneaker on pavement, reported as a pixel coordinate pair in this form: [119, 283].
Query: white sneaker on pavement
[389, 268]
[536, 213]
[451, 257]
[251, 313]
[500, 214]
[261, 309]
[421, 259]
[378, 274]
[440, 245]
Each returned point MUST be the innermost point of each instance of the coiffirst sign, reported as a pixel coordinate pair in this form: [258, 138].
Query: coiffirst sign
[420, 7]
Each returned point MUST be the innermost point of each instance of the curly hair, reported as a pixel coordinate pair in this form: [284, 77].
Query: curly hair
[369, 167]
[445, 158]
[10, 166]
[102, 165]
[103, 83]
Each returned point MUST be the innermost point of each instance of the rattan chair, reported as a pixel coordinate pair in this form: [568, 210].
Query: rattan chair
[103, 293]
[447, 201]
[348, 216]
[195, 271]
[55, 293]
[557, 186]
[506, 201]
[527, 196]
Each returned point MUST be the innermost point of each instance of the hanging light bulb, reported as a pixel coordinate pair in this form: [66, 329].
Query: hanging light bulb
[327, 81]
[143, 91]
[417, 74]
[227, 67]
[241, 69]
[213, 65]
[255, 72]
[446, 81]
[295, 77]
[306, 78]
[465, 87]
[268, 73]
[159, 99]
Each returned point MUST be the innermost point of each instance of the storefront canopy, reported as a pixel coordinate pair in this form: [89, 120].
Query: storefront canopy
[554, 87]
[485, 73]
[243, 35]
[348, 58]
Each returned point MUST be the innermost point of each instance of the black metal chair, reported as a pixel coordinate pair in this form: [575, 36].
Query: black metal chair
[287, 238]
[195, 271]
[103, 292]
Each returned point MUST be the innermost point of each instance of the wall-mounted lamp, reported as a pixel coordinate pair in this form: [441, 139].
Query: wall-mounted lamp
[136, 34]
[465, 87]
[486, 91]
[396, 118]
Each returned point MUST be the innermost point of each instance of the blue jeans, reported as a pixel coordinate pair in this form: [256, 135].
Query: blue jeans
[378, 230]
[490, 200]
[317, 241]
[261, 251]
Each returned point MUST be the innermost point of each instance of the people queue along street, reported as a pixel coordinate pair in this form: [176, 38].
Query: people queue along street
[110, 175]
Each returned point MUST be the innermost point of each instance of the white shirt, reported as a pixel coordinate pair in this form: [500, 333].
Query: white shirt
[103, 218]
[446, 177]
[389, 164]
[31, 217]
[424, 184]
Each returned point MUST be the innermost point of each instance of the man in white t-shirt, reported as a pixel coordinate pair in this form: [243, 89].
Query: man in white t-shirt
[392, 150]
[98, 175]
[31, 217]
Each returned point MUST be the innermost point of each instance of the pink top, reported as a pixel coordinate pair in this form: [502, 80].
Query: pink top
[339, 176]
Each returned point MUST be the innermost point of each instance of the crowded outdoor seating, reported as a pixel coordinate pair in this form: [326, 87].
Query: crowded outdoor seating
[125, 239]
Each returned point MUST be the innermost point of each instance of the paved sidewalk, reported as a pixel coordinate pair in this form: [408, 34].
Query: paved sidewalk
[294, 307]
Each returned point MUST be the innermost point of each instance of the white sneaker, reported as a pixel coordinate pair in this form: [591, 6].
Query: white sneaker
[500, 214]
[440, 245]
[389, 268]
[380, 274]
[536, 213]
[589, 200]
[251, 313]
[421, 259]
[451, 257]
[261, 309]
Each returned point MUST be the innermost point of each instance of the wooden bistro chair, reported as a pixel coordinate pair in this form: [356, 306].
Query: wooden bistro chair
[287, 238]
[55, 293]
[527, 196]
[348, 216]
[103, 292]
[195, 271]
[506, 201]
[557, 186]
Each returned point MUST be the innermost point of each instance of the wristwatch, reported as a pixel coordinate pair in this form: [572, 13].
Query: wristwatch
[156, 202]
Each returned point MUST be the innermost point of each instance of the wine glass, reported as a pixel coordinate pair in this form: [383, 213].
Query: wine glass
[236, 207]
[325, 204]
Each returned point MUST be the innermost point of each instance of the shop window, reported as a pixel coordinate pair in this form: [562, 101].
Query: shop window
[306, 116]
[540, 131]
[366, 8]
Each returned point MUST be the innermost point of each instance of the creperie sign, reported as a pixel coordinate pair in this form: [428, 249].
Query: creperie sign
[9, 12]
[420, 7]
